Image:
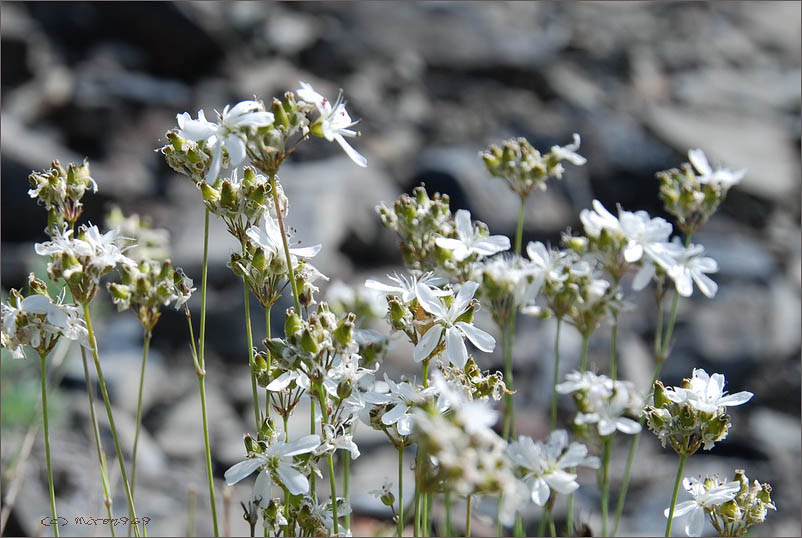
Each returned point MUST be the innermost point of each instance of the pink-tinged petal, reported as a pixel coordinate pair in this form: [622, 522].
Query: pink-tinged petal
[293, 480]
[739, 398]
[478, 337]
[237, 472]
[463, 223]
[456, 352]
[303, 445]
[427, 343]
[394, 414]
[353, 154]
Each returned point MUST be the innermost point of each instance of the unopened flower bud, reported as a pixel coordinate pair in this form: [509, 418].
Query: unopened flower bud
[209, 194]
[309, 342]
[228, 196]
[731, 510]
[292, 323]
[660, 394]
[344, 389]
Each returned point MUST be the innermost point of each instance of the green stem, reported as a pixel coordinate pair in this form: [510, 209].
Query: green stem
[622, 495]
[312, 478]
[424, 515]
[401, 490]
[269, 360]
[285, 419]
[682, 459]
[556, 377]
[544, 517]
[290, 271]
[249, 334]
[107, 403]
[658, 332]
[508, 339]
[468, 516]
[204, 279]
[583, 361]
[519, 230]
[332, 484]
[518, 529]
[605, 482]
[569, 518]
[552, 529]
[416, 524]
[613, 348]
[145, 348]
[101, 457]
[447, 502]
[191, 502]
[499, 526]
[43, 372]
[347, 488]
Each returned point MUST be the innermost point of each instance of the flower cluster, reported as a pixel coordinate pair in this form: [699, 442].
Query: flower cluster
[60, 190]
[37, 321]
[138, 238]
[694, 192]
[602, 401]
[693, 415]
[524, 168]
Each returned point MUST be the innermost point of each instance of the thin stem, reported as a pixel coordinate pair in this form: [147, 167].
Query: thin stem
[556, 375]
[552, 529]
[519, 230]
[613, 348]
[312, 478]
[499, 526]
[191, 501]
[544, 517]
[332, 484]
[682, 459]
[269, 360]
[401, 490]
[448, 503]
[347, 487]
[468, 516]
[658, 332]
[508, 339]
[569, 518]
[101, 457]
[424, 515]
[416, 523]
[43, 372]
[583, 361]
[622, 495]
[107, 403]
[145, 348]
[518, 529]
[249, 334]
[290, 272]
[204, 279]
[605, 481]
[200, 370]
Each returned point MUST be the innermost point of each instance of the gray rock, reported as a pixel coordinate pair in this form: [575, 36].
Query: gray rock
[737, 256]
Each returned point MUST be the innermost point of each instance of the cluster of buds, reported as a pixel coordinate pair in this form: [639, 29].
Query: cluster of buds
[147, 287]
[82, 259]
[524, 168]
[241, 203]
[693, 192]
[268, 145]
[137, 236]
[507, 283]
[189, 158]
[476, 383]
[60, 190]
[37, 321]
[749, 506]
[263, 270]
[419, 220]
[693, 415]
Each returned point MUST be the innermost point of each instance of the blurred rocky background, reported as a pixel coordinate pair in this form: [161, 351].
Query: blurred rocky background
[433, 84]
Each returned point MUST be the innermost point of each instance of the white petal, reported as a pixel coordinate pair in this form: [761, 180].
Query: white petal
[606, 427]
[699, 161]
[261, 488]
[540, 492]
[214, 166]
[380, 286]
[280, 383]
[404, 425]
[464, 227]
[478, 337]
[739, 398]
[562, 482]
[696, 522]
[705, 284]
[237, 472]
[394, 414]
[682, 281]
[427, 343]
[429, 301]
[293, 480]
[306, 252]
[491, 245]
[633, 252]
[464, 296]
[681, 509]
[627, 425]
[236, 149]
[303, 445]
[643, 276]
[351, 152]
[456, 351]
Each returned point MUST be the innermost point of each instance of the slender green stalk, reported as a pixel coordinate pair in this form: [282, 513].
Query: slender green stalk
[107, 403]
[569, 518]
[101, 457]
[468, 516]
[605, 481]
[401, 490]
[416, 524]
[347, 488]
[145, 348]
[43, 372]
[556, 377]
[287, 529]
[518, 529]
[583, 361]
[508, 337]
[321, 394]
[544, 517]
[448, 503]
[424, 527]
[200, 370]
[552, 529]
[622, 495]
[312, 479]
[583, 364]
[204, 280]
[499, 526]
[249, 334]
[519, 230]
[191, 501]
[290, 272]
[269, 360]
[658, 332]
[682, 459]
[613, 348]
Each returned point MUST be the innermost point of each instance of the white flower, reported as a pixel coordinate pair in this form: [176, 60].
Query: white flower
[226, 134]
[607, 415]
[703, 499]
[278, 459]
[335, 121]
[477, 417]
[686, 265]
[599, 219]
[35, 319]
[642, 233]
[95, 252]
[269, 238]
[606, 401]
[706, 393]
[400, 399]
[543, 464]
[469, 242]
[720, 176]
[406, 287]
[455, 331]
[337, 439]
[568, 153]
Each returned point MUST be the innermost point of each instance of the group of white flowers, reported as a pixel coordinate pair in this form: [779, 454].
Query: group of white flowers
[330, 357]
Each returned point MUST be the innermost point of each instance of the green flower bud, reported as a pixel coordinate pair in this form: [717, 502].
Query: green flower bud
[292, 323]
[730, 510]
[279, 114]
[309, 342]
[228, 195]
[259, 261]
[344, 333]
[209, 194]
[660, 398]
[388, 499]
[249, 444]
[344, 389]
[37, 286]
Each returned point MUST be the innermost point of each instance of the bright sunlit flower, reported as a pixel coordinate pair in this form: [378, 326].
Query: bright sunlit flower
[703, 500]
[706, 393]
[686, 266]
[469, 242]
[406, 286]
[718, 176]
[400, 400]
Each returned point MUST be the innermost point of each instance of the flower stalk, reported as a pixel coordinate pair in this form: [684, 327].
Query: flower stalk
[682, 459]
[43, 372]
[145, 348]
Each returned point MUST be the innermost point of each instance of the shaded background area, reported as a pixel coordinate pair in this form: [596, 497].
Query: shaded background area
[433, 84]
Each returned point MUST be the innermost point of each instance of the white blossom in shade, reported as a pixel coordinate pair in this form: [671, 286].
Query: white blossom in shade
[337, 438]
[608, 415]
[586, 381]
[227, 134]
[269, 238]
[445, 319]
[686, 266]
[335, 122]
[477, 417]
[405, 287]
[542, 466]
[400, 400]
[599, 219]
[706, 393]
[718, 176]
[605, 402]
[95, 251]
[568, 153]
[469, 242]
[275, 464]
[642, 233]
[36, 321]
[703, 500]
[284, 380]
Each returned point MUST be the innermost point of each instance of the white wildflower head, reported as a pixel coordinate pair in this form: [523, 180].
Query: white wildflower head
[705, 501]
[603, 402]
[687, 266]
[61, 190]
[471, 241]
[394, 406]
